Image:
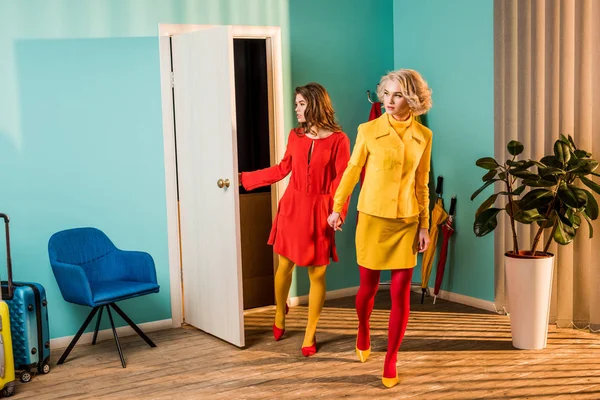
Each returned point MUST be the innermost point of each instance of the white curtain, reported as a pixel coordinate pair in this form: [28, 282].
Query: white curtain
[547, 82]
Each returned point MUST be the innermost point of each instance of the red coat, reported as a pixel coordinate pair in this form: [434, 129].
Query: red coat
[300, 231]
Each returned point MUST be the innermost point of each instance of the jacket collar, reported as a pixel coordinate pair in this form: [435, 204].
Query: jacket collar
[383, 128]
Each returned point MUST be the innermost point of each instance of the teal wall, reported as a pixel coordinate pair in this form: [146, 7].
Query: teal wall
[451, 44]
[81, 128]
[345, 46]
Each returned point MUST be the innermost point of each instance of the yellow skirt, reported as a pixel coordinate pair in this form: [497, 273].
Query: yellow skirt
[386, 243]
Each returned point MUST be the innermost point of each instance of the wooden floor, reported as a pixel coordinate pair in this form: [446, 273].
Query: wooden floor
[450, 351]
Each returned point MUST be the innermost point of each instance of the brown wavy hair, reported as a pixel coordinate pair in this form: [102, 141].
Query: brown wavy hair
[319, 111]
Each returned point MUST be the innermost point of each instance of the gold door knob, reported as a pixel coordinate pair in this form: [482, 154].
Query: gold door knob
[223, 183]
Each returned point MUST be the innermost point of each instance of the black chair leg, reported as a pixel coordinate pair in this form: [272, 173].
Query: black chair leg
[97, 325]
[112, 324]
[132, 324]
[77, 335]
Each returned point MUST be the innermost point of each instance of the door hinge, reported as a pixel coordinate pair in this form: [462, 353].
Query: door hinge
[172, 79]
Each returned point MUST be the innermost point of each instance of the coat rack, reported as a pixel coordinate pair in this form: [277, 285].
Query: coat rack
[369, 97]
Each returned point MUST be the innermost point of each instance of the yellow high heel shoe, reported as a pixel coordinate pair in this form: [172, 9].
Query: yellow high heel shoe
[389, 382]
[363, 354]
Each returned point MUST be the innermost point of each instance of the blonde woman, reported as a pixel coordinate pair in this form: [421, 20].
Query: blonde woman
[393, 204]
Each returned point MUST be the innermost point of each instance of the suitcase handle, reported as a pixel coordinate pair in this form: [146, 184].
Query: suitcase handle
[8, 258]
[2, 361]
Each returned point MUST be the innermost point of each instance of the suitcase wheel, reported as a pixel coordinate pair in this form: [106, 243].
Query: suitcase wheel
[25, 376]
[44, 369]
[8, 391]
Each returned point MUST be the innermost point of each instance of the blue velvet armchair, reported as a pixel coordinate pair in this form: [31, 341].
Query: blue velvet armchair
[91, 271]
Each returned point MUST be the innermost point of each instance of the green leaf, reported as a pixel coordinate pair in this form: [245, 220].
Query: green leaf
[590, 226]
[502, 175]
[550, 172]
[528, 216]
[521, 164]
[591, 184]
[591, 208]
[535, 199]
[572, 196]
[489, 175]
[548, 223]
[562, 151]
[581, 195]
[583, 166]
[486, 222]
[551, 161]
[538, 183]
[524, 174]
[487, 163]
[522, 216]
[487, 203]
[481, 189]
[519, 190]
[574, 160]
[574, 219]
[582, 154]
[591, 165]
[544, 209]
[550, 178]
[572, 142]
[563, 138]
[515, 148]
[563, 234]
[564, 218]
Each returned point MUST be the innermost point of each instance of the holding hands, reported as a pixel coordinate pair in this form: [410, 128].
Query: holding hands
[335, 221]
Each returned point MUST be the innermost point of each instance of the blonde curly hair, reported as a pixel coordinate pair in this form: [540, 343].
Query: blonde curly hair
[413, 88]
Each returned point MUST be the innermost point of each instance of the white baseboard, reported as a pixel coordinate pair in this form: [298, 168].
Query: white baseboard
[294, 301]
[108, 334]
[450, 296]
[462, 299]
[330, 295]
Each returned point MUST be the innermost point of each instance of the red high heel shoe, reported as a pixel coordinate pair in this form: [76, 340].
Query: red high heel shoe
[277, 332]
[310, 350]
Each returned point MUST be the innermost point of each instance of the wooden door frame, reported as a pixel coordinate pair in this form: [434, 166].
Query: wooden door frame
[272, 36]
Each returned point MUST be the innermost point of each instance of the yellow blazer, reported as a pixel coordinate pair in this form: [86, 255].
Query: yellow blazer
[396, 171]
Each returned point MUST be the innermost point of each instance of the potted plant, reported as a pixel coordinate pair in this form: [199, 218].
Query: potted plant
[550, 193]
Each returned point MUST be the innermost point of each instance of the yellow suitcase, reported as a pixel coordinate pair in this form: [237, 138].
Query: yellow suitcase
[7, 363]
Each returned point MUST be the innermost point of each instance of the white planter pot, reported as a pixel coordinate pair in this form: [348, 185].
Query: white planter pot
[529, 286]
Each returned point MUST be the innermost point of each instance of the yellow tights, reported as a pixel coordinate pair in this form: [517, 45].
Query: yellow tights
[316, 296]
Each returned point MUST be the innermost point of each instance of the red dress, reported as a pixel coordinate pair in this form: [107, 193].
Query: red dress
[300, 231]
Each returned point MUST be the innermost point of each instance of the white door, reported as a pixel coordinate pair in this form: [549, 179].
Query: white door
[204, 94]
